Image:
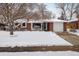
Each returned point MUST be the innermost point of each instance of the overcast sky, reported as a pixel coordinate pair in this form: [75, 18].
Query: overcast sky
[52, 7]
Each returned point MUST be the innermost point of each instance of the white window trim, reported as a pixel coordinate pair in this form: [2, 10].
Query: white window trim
[33, 28]
[46, 26]
[23, 26]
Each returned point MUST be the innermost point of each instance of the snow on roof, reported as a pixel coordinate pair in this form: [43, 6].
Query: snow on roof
[20, 21]
[35, 21]
[73, 20]
[55, 20]
[46, 20]
[43, 20]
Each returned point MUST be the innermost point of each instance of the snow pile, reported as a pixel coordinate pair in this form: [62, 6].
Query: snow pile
[76, 33]
[21, 21]
[31, 38]
[48, 53]
[77, 30]
[75, 19]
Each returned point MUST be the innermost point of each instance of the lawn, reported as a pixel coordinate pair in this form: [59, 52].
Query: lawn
[31, 38]
[71, 37]
[35, 43]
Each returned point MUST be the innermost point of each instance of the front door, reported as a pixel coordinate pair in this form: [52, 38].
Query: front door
[44, 26]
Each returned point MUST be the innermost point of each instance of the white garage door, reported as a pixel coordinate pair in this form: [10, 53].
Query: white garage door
[58, 26]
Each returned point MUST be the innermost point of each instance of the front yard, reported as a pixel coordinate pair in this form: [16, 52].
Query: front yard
[31, 38]
[40, 43]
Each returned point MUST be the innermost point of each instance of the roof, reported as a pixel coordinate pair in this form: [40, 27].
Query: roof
[20, 21]
[46, 20]
[55, 20]
[73, 20]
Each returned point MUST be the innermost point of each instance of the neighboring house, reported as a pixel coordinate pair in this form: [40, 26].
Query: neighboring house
[74, 24]
[41, 25]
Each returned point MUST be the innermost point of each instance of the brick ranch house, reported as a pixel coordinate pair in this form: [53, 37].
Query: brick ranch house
[54, 25]
[74, 24]
[41, 25]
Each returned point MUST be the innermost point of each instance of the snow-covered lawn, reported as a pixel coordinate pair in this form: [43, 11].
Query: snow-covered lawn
[44, 53]
[76, 33]
[31, 38]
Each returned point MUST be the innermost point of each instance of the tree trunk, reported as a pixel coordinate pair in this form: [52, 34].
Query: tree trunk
[11, 30]
[70, 15]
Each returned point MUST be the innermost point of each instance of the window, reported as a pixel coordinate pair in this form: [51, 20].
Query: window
[23, 24]
[37, 26]
[16, 23]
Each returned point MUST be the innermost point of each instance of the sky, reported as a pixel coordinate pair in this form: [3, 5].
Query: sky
[52, 7]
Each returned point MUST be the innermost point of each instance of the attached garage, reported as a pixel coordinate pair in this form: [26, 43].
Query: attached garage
[58, 26]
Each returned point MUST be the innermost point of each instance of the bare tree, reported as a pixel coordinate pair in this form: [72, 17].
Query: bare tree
[67, 9]
[14, 11]
[72, 9]
[47, 15]
[40, 12]
[77, 10]
[61, 17]
[63, 7]
[41, 8]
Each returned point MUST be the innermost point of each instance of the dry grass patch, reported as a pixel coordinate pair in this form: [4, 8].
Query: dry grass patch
[39, 48]
[71, 38]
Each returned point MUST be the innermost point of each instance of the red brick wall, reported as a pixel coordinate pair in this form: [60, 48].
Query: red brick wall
[50, 26]
[29, 26]
[65, 26]
[74, 24]
[78, 24]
